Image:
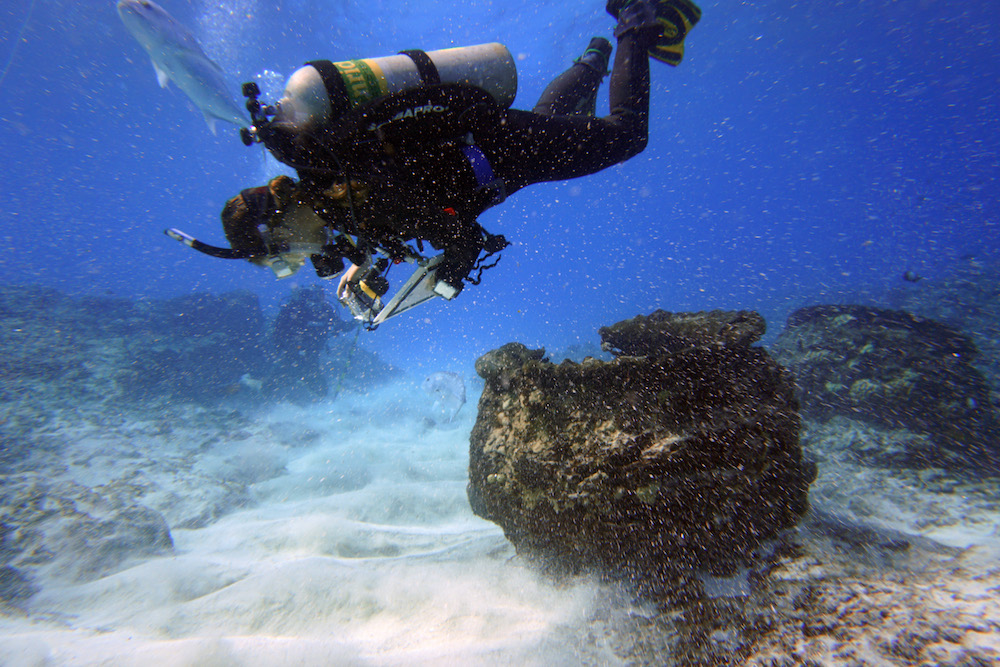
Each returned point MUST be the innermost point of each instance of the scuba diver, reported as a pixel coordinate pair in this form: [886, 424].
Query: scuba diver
[396, 152]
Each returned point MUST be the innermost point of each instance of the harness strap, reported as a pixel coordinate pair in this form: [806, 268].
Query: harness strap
[485, 178]
[425, 66]
[336, 90]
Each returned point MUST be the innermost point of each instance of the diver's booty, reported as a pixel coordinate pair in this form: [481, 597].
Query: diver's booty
[597, 55]
[664, 23]
[615, 7]
[596, 58]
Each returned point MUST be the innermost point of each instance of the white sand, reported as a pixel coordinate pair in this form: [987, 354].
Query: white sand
[394, 569]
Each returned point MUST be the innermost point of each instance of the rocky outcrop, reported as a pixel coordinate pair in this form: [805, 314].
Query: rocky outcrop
[964, 297]
[198, 348]
[893, 370]
[121, 351]
[681, 452]
[195, 346]
[664, 333]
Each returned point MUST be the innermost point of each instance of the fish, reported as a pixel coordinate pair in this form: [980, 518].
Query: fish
[448, 390]
[178, 57]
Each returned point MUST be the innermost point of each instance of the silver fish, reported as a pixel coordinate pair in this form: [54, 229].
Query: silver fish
[178, 57]
[448, 390]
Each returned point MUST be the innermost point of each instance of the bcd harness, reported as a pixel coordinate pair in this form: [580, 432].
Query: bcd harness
[337, 90]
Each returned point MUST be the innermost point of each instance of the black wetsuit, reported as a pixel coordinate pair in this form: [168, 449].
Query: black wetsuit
[549, 144]
[422, 185]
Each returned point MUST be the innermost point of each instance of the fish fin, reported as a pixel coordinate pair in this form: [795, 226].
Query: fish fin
[161, 77]
[211, 123]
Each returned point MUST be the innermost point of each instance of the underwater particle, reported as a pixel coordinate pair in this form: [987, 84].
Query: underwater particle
[17, 42]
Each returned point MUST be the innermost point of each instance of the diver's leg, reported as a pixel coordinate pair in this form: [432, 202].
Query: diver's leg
[538, 148]
[628, 92]
[541, 147]
[642, 26]
[574, 92]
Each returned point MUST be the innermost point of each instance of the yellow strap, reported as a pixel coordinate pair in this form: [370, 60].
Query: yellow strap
[367, 290]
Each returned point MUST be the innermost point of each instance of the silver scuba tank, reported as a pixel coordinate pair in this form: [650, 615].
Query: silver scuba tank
[322, 91]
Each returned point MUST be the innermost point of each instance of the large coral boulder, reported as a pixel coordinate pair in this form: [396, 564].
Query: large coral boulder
[894, 370]
[681, 452]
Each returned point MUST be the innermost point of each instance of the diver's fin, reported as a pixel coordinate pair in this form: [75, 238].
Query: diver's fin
[676, 18]
[669, 20]
[161, 76]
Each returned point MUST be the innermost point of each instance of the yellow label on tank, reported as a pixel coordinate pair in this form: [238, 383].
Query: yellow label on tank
[363, 80]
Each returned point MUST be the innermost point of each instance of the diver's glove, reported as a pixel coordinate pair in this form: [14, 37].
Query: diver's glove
[665, 23]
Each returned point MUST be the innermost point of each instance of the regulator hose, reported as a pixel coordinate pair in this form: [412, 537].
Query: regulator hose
[210, 250]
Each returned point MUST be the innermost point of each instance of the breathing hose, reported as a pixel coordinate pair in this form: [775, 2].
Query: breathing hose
[210, 250]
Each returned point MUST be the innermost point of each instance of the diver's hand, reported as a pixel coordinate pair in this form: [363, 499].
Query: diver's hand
[348, 277]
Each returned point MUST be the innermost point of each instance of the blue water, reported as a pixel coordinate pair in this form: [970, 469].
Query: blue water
[803, 152]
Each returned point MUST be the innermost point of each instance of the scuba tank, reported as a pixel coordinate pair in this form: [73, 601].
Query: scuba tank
[322, 91]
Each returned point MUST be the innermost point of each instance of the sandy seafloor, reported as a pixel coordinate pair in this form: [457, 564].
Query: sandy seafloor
[339, 533]
[359, 547]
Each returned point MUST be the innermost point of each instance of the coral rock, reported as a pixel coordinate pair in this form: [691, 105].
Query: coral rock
[498, 366]
[684, 453]
[662, 332]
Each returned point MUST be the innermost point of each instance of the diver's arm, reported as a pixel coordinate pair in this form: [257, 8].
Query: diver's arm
[349, 276]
